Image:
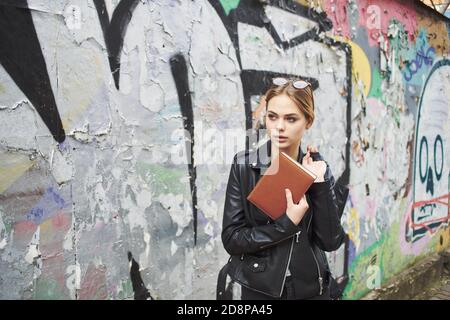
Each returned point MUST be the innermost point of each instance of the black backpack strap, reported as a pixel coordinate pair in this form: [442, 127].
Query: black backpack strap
[223, 293]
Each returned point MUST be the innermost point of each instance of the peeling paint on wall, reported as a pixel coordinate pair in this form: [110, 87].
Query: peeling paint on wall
[117, 118]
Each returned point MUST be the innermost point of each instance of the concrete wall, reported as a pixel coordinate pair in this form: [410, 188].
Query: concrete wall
[103, 195]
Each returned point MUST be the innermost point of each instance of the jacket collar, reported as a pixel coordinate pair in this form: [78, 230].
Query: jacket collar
[260, 157]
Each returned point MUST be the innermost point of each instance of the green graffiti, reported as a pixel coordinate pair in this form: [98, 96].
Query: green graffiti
[163, 179]
[423, 176]
[356, 287]
[48, 289]
[399, 42]
[395, 112]
[229, 5]
[7, 225]
[438, 151]
[373, 276]
[254, 39]
[375, 89]
[125, 290]
[389, 261]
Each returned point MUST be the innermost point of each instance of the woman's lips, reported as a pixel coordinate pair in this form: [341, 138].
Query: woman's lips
[281, 138]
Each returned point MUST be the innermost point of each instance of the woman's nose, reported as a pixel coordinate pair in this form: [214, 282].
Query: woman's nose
[280, 124]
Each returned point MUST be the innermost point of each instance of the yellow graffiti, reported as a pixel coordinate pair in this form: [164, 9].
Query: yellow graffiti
[443, 239]
[361, 71]
[353, 227]
[46, 231]
[304, 2]
[13, 166]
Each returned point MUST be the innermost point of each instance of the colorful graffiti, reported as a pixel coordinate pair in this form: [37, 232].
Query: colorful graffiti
[431, 188]
[91, 178]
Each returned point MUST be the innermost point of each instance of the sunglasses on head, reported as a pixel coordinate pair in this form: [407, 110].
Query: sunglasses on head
[297, 84]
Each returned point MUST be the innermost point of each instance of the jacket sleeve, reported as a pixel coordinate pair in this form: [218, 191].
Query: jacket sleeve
[327, 230]
[238, 236]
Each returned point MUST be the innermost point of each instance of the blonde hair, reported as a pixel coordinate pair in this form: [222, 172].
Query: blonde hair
[303, 98]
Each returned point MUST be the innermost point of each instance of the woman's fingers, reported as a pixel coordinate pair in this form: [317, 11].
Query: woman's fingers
[311, 149]
[288, 197]
[290, 201]
[303, 201]
[295, 212]
[303, 204]
[306, 158]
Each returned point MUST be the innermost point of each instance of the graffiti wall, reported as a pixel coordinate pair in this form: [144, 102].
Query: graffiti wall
[120, 118]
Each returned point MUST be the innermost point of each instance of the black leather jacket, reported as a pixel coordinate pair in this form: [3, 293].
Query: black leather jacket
[262, 249]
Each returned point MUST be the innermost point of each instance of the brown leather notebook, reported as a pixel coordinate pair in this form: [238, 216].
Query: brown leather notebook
[284, 172]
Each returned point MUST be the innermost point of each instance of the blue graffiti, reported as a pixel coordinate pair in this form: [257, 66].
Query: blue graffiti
[47, 206]
[422, 58]
[35, 213]
[57, 198]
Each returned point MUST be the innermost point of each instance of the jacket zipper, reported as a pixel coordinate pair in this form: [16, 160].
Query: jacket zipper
[318, 270]
[297, 235]
[287, 266]
[289, 260]
[290, 255]
[317, 264]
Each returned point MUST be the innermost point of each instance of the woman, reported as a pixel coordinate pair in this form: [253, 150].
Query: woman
[282, 259]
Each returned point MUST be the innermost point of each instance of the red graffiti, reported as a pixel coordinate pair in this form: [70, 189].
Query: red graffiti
[435, 201]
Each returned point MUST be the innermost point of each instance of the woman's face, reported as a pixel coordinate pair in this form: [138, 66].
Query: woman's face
[285, 123]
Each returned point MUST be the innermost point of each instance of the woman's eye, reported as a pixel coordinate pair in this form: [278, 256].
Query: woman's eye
[271, 117]
[292, 119]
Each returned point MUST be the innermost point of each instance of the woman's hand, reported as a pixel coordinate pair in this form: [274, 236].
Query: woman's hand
[317, 167]
[294, 211]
